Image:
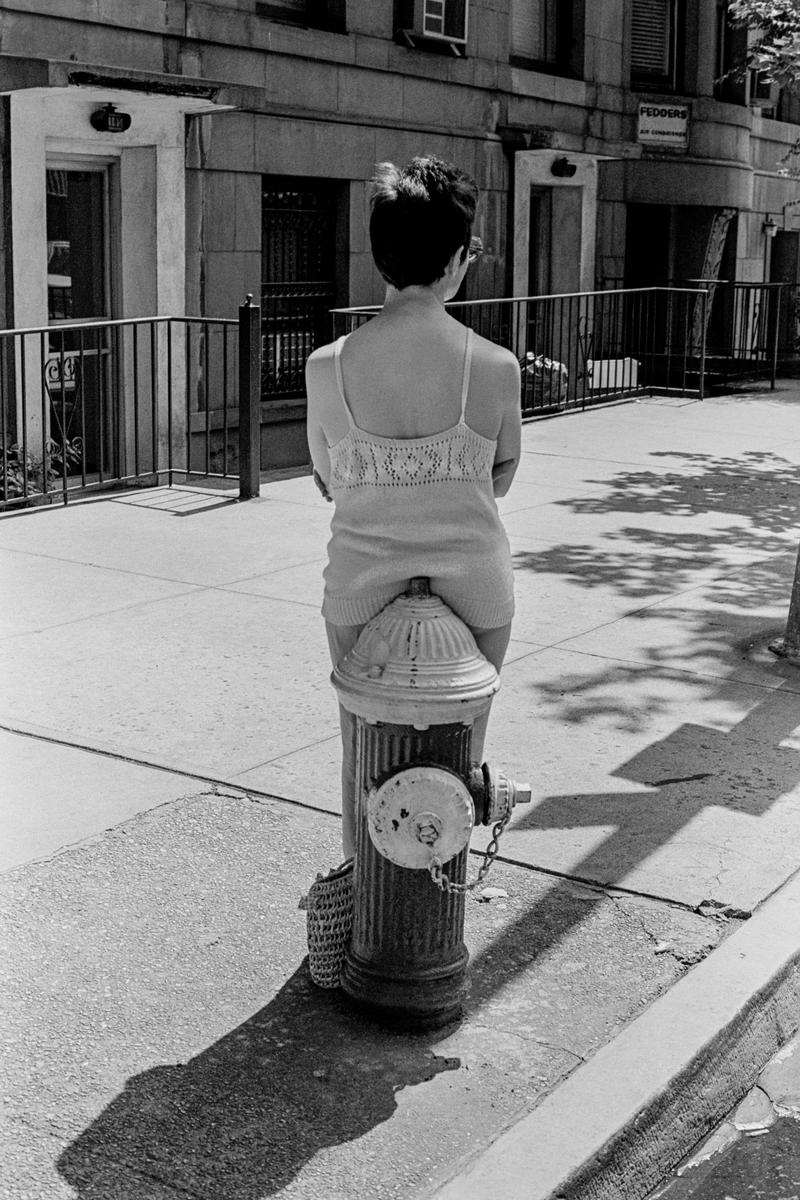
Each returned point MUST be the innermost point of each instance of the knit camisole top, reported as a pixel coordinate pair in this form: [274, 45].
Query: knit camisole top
[416, 506]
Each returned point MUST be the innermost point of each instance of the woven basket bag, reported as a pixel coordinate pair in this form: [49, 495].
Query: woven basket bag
[329, 920]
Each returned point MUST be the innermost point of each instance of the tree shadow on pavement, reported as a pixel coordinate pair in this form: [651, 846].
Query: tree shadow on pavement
[718, 582]
[745, 547]
[730, 630]
[242, 1118]
[740, 511]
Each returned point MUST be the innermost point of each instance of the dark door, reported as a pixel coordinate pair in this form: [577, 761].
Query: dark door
[649, 318]
[540, 234]
[540, 241]
[647, 245]
[785, 268]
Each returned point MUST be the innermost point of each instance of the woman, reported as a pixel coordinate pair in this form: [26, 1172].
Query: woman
[414, 429]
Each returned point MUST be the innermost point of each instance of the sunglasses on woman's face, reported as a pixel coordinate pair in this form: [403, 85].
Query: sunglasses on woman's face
[475, 250]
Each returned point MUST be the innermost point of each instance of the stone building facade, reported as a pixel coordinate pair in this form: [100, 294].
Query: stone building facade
[607, 146]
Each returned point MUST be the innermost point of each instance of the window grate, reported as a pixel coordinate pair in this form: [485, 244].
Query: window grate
[534, 30]
[651, 37]
[298, 280]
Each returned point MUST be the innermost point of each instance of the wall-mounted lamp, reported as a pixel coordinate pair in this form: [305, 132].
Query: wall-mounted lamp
[108, 120]
[563, 168]
[770, 227]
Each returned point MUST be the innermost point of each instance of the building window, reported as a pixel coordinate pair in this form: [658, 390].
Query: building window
[82, 407]
[731, 47]
[534, 30]
[445, 19]
[788, 106]
[654, 44]
[317, 14]
[76, 240]
[546, 35]
[763, 94]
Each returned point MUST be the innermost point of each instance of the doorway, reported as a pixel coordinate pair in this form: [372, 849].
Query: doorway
[784, 267]
[82, 419]
[648, 234]
[540, 241]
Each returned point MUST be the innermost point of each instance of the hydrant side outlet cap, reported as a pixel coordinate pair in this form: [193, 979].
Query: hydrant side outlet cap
[415, 661]
[419, 812]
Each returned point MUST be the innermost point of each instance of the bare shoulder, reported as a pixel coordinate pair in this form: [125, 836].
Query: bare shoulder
[496, 367]
[320, 386]
[321, 358]
[493, 355]
[319, 375]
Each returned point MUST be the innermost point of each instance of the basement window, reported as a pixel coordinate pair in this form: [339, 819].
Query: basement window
[309, 14]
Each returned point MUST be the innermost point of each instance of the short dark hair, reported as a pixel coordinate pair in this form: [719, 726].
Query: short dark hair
[420, 215]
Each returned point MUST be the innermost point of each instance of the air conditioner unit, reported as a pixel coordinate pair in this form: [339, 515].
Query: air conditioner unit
[612, 374]
[764, 95]
[437, 20]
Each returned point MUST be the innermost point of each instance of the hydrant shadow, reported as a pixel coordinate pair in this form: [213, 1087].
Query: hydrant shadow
[242, 1118]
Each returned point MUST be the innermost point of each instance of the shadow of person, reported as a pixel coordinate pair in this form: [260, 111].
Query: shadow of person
[242, 1118]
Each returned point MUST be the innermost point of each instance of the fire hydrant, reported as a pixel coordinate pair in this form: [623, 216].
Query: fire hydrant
[416, 683]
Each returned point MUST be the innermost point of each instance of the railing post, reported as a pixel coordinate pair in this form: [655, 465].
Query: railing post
[702, 375]
[249, 400]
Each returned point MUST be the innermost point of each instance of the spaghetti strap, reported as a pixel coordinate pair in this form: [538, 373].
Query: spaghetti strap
[337, 350]
[465, 385]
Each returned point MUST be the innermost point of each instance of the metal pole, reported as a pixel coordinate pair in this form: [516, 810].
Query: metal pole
[136, 400]
[154, 398]
[169, 400]
[225, 399]
[778, 293]
[701, 383]
[249, 400]
[205, 334]
[45, 414]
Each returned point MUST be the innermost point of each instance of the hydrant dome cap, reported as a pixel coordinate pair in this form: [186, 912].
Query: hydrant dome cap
[415, 662]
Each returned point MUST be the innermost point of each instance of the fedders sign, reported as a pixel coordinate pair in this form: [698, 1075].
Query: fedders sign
[662, 123]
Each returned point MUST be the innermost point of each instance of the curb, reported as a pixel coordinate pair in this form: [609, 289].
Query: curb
[620, 1121]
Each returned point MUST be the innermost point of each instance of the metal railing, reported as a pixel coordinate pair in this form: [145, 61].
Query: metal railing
[588, 348]
[91, 405]
[743, 329]
[750, 326]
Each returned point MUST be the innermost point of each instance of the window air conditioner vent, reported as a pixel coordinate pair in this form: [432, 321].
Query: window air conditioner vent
[432, 21]
[446, 19]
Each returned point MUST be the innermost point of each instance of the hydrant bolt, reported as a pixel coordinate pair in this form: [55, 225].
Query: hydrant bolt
[429, 828]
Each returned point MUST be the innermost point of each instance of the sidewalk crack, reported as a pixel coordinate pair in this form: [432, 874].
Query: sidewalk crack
[523, 1037]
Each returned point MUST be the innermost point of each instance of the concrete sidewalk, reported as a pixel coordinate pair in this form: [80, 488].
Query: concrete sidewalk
[170, 746]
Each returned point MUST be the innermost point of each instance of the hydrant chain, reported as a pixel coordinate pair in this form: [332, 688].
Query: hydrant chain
[447, 885]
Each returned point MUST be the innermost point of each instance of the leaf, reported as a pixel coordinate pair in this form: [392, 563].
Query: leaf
[493, 893]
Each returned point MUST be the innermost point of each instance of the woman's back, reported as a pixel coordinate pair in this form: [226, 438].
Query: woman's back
[411, 476]
[402, 377]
